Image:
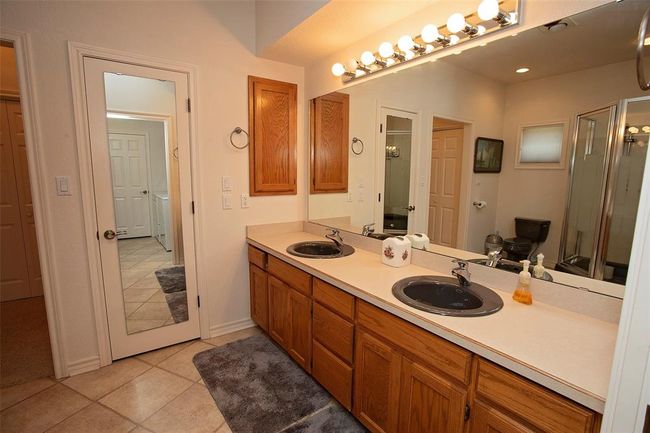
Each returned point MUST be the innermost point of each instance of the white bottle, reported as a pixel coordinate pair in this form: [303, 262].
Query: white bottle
[538, 269]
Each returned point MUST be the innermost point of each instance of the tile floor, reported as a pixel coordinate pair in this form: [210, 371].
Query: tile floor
[145, 304]
[159, 391]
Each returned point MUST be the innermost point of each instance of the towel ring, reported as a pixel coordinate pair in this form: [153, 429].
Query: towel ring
[238, 130]
[354, 141]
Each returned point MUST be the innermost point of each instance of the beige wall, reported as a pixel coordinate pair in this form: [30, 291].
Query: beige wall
[561, 97]
[216, 37]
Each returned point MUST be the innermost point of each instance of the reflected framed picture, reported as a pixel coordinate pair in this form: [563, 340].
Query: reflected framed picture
[488, 155]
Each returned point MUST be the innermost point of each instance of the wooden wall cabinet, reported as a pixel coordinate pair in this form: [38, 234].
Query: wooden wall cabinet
[329, 143]
[272, 126]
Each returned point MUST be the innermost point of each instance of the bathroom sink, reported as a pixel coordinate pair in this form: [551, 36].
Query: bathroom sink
[319, 250]
[445, 296]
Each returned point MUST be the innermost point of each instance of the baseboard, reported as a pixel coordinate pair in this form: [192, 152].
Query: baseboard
[227, 328]
[83, 365]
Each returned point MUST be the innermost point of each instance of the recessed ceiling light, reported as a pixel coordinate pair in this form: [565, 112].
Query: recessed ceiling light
[522, 70]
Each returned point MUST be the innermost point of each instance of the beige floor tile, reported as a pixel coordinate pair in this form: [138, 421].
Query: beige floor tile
[159, 296]
[181, 362]
[146, 282]
[133, 326]
[152, 311]
[138, 295]
[98, 383]
[157, 356]
[42, 411]
[233, 336]
[225, 428]
[17, 393]
[140, 429]
[130, 307]
[194, 411]
[144, 395]
[96, 419]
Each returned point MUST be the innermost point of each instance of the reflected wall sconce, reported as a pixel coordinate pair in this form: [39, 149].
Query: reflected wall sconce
[488, 18]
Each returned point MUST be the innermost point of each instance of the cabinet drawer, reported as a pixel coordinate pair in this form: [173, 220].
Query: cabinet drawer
[533, 403]
[291, 275]
[333, 374]
[257, 257]
[333, 332]
[335, 299]
[435, 351]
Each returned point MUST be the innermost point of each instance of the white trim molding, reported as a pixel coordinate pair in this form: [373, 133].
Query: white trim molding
[38, 176]
[83, 365]
[76, 53]
[227, 328]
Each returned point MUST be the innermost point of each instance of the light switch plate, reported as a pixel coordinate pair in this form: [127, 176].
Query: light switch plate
[244, 201]
[63, 185]
[226, 183]
[226, 201]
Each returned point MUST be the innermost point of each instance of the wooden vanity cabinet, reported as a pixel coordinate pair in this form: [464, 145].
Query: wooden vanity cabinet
[486, 419]
[259, 291]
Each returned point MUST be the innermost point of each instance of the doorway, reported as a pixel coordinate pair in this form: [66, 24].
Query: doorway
[25, 351]
[448, 137]
[140, 146]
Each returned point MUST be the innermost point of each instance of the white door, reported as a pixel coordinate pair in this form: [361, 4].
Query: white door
[130, 185]
[151, 296]
[396, 171]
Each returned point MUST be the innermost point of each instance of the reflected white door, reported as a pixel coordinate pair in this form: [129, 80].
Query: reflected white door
[151, 298]
[130, 185]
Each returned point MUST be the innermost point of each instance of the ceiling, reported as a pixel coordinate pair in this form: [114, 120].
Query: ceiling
[335, 25]
[593, 38]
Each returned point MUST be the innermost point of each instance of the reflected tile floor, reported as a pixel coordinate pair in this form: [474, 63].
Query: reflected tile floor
[144, 300]
[158, 391]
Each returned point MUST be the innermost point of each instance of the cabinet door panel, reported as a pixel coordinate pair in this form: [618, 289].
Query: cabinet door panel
[279, 320]
[300, 328]
[376, 384]
[490, 420]
[334, 374]
[272, 126]
[259, 297]
[329, 144]
[333, 332]
[429, 403]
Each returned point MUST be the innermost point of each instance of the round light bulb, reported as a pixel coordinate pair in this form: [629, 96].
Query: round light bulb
[633, 129]
[646, 129]
[390, 62]
[408, 55]
[456, 23]
[338, 69]
[481, 29]
[386, 50]
[429, 49]
[405, 43]
[429, 33]
[359, 73]
[453, 39]
[367, 58]
[488, 9]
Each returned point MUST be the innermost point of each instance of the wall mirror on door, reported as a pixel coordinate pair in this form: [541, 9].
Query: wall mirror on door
[563, 100]
[142, 182]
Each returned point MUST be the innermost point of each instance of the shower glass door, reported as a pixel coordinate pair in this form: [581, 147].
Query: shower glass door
[587, 190]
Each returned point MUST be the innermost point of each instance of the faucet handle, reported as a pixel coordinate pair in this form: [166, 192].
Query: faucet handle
[333, 231]
[462, 264]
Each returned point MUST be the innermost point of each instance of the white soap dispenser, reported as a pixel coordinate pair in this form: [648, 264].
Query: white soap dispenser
[538, 269]
[522, 292]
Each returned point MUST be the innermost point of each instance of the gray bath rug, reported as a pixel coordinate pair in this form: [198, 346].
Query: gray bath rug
[171, 279]
[177, 303]
[259, 389]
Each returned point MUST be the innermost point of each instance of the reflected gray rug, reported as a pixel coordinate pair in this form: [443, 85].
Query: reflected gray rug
[171, 279]
[177, 303]
[259, 389]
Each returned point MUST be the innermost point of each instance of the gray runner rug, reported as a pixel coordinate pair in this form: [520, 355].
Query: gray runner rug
[171, 279]
[259, 389]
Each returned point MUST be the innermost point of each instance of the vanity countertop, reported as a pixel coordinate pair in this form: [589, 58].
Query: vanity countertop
[567, 352]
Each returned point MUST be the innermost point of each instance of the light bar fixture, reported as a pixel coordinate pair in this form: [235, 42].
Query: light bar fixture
[488, 18]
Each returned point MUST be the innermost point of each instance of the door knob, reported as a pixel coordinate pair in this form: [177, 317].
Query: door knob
[109, 234]
[144, 191]
[410, 208]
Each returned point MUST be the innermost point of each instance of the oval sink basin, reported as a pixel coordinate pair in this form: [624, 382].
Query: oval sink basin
[443, 295]
[319, 250]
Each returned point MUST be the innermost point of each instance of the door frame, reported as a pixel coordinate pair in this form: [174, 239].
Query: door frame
[38, 184]
[380, 166]
[76, 54]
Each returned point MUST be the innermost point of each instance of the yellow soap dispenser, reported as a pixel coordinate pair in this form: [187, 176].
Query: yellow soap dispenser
[522, 293]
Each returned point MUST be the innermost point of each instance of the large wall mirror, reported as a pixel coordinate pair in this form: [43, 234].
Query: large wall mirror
[563, 131]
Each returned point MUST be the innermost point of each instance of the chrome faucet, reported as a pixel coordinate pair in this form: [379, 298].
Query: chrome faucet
[462, 272]
[493, 258]
[335, 236]
[367, 229]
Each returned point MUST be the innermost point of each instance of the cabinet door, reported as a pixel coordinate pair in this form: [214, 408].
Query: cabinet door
[279, 320]
[272, 127]
[428, 402]
[300, 328]
[376, 384]
[489, 420]
[259, 297]
[329, 143]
